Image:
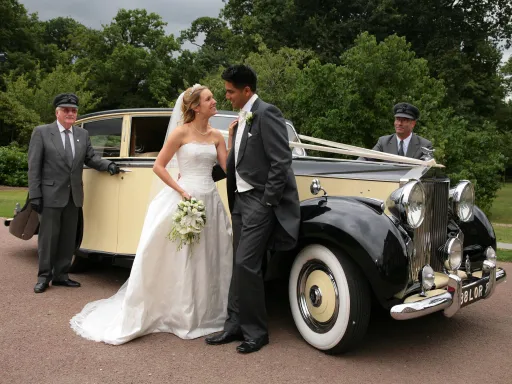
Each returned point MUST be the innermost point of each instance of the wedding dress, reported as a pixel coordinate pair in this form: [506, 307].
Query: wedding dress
[181, 292]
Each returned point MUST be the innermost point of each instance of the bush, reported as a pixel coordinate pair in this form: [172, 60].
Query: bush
[13, 166]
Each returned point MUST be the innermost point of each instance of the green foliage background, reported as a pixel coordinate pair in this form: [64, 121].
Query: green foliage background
[334, 68]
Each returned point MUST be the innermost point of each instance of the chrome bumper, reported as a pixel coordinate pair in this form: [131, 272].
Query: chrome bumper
[450, 301]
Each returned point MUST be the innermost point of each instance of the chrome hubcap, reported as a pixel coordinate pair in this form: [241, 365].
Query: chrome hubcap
[317, 296]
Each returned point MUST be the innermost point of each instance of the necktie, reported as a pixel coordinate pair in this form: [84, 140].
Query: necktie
[67, 149]
[401, 148]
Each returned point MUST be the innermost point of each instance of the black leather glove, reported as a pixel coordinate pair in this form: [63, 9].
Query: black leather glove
[37, 204]
[113, 169]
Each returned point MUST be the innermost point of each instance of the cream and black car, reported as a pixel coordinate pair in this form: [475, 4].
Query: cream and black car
[393, 231]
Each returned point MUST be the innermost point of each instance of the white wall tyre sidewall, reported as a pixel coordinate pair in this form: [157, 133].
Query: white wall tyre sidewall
[330, 339]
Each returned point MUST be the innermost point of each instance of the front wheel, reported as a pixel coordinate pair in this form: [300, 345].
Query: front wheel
[329, 298]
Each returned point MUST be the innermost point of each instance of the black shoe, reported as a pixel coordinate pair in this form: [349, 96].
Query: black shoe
[224, 338]
[67, 283]
[40, 287]
[253, 345]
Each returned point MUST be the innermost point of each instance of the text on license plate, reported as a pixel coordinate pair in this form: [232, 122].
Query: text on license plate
[473, 293]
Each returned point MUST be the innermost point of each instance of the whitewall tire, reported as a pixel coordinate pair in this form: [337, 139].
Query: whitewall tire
[329, 298]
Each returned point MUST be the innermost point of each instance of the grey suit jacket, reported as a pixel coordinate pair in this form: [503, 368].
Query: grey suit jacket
[388, 144]
[49, 175]
[264, 161]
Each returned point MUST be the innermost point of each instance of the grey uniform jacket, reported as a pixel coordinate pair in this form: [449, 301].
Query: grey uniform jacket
[49, 175]
[389, 144]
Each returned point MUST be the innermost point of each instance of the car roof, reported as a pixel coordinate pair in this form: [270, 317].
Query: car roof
[139, 110]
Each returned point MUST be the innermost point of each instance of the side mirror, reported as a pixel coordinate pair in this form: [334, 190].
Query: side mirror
[316, 187]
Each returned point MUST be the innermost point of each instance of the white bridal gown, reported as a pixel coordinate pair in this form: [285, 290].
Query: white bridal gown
[185, 292]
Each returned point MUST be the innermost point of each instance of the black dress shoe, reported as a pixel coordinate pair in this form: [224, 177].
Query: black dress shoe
[224, 338]
[252, 345]
[40, 287]
[67, 283]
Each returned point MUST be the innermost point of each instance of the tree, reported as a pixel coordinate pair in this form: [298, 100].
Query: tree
[130, 62]
[25, 106]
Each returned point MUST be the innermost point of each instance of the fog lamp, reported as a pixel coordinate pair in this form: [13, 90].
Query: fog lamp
[453, 252]
[427, 278]
[490, 254]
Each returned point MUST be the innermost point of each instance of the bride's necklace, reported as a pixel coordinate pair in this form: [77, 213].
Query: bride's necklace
[198, 131]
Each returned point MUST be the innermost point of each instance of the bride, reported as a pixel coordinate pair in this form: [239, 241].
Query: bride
[181, 292]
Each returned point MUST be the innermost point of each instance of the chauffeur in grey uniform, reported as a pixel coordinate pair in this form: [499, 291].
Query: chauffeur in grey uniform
[56, 156]
[403, 142]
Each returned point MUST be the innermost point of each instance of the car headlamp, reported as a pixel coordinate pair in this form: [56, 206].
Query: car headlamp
[462, 198]
[408, 203]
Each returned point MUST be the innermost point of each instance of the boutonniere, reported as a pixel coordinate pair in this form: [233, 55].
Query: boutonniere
[249, 118]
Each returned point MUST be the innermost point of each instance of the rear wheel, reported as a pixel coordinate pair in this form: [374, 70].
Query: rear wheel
[329, 298]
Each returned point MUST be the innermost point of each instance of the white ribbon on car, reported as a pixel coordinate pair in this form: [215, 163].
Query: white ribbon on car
[345, 149]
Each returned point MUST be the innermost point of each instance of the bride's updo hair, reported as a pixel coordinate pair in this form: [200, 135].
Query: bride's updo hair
[191, 100]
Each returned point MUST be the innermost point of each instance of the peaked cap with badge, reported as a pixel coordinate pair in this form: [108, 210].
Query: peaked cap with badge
[66, 100]
[406, 110]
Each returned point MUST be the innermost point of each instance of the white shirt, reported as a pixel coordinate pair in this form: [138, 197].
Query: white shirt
[406, 143]
[63, 137]
[241, 184]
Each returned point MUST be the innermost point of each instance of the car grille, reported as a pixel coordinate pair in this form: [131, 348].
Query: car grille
[431, 235]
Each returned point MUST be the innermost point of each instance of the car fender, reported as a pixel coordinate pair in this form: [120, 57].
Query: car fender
[365, 234]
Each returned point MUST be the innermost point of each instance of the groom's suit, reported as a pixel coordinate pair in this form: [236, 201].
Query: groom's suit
[264, 217]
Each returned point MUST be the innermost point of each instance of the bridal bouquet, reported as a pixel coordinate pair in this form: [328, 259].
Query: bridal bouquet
[188, 222]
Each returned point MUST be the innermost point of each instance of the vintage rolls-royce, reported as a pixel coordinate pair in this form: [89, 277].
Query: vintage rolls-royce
[392, 231]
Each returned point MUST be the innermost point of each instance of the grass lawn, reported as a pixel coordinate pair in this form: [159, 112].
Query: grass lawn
[503, 234]
[504, 255]
[501, 211]
[8, 200]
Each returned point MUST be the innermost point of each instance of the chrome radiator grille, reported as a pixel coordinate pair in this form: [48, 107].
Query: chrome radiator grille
[431, 235]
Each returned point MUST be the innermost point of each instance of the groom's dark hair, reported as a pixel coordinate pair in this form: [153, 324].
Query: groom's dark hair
[240, 76]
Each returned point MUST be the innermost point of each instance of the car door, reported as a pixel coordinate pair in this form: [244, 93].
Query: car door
[101, 190]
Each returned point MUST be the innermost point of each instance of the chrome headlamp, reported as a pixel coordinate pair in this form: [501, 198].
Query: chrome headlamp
[453, 252]
[408, 203]
[462, 198]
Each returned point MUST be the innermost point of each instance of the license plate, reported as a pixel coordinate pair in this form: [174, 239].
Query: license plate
[473, 293]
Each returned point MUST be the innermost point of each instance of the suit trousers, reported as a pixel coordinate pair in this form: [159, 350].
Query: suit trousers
[253, 223]
[56, 241]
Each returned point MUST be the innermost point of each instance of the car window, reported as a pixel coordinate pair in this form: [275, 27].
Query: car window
[105, 136]
[147, 135]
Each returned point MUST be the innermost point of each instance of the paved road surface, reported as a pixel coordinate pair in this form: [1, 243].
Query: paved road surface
[37, 345]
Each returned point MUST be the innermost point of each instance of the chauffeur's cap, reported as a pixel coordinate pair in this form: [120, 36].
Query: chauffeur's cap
[66, 100]
[406, 110]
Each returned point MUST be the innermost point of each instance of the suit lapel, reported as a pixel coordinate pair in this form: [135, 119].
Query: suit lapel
[57, 141]
[414, 145]
[393, 145]
[245, 135]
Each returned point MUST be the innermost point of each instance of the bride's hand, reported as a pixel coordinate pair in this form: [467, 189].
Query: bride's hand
[232, 127]
[185, 195]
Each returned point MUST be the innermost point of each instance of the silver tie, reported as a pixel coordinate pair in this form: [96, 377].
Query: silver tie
[67, 149]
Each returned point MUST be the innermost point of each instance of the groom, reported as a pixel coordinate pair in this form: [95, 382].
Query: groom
[264, 205]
